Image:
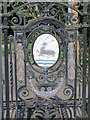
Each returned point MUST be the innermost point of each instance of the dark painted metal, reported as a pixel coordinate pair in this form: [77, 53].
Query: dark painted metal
[25, 56]
[49, 21]
[6, 62]
[11, 71]
[84, 60]
[1, 85]
[75, 83]
[66, 61]
[89, 73]
[80, 69]
[15, 67]
[25, 53]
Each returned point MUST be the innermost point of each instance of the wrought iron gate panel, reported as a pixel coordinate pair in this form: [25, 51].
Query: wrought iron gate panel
[36, 88]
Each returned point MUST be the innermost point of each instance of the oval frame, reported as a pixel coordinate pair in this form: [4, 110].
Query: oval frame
[58, 53]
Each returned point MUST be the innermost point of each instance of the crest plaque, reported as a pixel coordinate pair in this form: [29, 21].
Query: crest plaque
[46, 50]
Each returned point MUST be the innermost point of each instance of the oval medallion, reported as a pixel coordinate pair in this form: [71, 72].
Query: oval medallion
[46, 50]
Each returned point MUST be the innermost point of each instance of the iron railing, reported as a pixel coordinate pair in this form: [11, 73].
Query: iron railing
[33, 91]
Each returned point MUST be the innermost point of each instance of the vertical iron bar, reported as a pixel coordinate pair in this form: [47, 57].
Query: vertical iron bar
[69, 10]
[80, 54]
[84, 59]
[75, 84]
[25, 53]
[15, 63]
[45, 9]
[80, 70]
[25, 56]
[1, 85]
[6, 61]
[11, 71]
[89, 73]
[66, 63]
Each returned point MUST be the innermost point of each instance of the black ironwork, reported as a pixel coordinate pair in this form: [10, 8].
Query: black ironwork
[89, 71]
[0, 66]
[33, 91]
[6, 62]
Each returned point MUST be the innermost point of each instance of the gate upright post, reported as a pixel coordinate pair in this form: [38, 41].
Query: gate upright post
[0, 64]
[6, 61]
[89, 73]
[84, 60]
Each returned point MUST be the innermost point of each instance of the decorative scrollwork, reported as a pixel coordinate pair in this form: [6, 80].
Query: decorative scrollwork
[47, 91]
[45, 94]
[15, 4]
[53, 12]
[42, 114]
[74, 19]
[68, 93]
[41, 78]
[46, 110]
[25, 92]
[52, 78]
[28, 96]
[17, 20]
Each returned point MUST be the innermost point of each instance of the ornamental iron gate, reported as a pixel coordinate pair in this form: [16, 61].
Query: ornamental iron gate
[45, 56]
